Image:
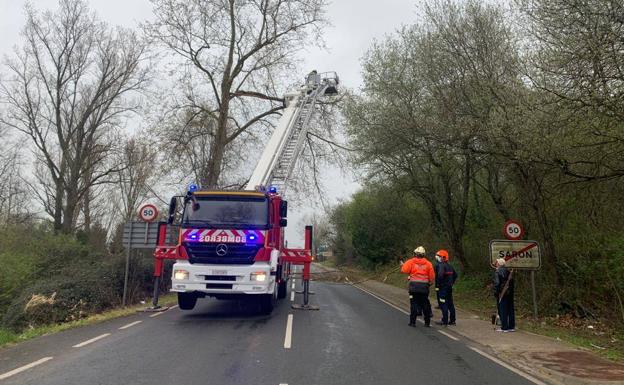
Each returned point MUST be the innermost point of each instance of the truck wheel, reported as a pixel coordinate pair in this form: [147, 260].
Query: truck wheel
[267, 303]
[281, 289]
[187, 301]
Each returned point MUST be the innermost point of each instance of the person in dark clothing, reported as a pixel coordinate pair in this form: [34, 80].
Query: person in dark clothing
[504, 294]
[444, 281]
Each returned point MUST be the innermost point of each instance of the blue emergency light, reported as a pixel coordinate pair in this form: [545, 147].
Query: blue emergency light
[192, 187]
[273, 190]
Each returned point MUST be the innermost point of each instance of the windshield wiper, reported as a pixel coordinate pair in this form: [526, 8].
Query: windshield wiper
[197, 221]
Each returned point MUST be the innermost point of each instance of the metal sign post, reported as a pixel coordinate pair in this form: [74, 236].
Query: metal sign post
[137, 235]
[128, 248]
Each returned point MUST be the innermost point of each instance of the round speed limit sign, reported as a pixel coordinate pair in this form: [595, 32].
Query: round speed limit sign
[513, 230]
[148, 212]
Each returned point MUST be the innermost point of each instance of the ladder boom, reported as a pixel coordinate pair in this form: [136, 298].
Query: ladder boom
[286, 143]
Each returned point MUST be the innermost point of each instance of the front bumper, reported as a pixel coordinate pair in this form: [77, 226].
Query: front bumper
[223, 279]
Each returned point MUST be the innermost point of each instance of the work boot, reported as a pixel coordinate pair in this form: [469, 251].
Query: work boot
[441, 323]
[453, 323]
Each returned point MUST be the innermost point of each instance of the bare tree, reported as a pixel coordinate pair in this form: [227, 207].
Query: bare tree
[70, 85]
[137, 179]
[236, 53]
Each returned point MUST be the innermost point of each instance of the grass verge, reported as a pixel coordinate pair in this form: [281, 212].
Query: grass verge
[7, 337]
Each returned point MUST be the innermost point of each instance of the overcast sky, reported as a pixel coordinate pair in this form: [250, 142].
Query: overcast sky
[356, 23]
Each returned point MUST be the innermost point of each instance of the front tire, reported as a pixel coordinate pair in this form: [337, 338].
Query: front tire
[187, 301]
[282, 289]
[268, 302]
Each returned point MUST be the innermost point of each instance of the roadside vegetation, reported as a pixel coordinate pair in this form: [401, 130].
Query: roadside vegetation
[479, 114]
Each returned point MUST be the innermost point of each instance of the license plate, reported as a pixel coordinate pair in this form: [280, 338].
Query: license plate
[219, 272]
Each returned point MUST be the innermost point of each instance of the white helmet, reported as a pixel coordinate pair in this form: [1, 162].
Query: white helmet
[419, 251]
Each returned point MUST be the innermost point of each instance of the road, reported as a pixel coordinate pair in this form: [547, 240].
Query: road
[353, 339]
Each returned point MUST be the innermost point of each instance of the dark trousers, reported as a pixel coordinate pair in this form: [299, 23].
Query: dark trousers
[506, 313]
[420, 301]
[445, 299]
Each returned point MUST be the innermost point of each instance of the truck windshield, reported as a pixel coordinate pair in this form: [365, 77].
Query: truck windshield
[234, 212]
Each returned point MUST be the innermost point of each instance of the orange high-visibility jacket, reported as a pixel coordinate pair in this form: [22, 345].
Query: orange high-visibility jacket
[419, 270]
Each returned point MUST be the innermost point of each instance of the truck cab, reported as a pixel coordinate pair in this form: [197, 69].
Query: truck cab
[229, 247]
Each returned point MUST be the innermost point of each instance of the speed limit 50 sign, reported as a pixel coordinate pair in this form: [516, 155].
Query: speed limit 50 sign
[513, 231]
[148, 212]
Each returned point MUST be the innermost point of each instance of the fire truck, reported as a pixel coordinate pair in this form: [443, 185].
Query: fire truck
[230, 244]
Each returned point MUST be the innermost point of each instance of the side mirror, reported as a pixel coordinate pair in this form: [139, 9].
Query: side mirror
[283, 209]
[173, 204]
[283, 222]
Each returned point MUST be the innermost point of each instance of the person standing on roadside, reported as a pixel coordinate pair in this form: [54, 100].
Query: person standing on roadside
[421, 276]
[504, 294]
[445, 279]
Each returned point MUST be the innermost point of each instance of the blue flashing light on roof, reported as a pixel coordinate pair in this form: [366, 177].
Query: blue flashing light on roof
[273, 190]
[252, 237]
[192, 187]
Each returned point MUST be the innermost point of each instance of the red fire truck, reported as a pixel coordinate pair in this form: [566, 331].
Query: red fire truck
[230, 244]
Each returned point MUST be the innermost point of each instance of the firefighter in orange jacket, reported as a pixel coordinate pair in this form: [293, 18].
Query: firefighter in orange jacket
[421, 276]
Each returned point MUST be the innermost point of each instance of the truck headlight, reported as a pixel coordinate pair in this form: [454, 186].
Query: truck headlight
[259, 276]
[181, 275]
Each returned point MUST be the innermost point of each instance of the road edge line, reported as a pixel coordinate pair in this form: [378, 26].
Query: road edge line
[382, 300]
[130, 325]
[87, 342]
[23, 368]
[507, 366]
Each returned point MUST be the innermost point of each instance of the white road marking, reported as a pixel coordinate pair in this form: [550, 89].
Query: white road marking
[292, 296]
[283, 384]
[157, 314]
[23, 368]
[87, 342]
[293, 284]
[288, 336]
[517, 371]
[173, 307]
[383, 300]
[448, 335]
[501, 363]
[130, 325]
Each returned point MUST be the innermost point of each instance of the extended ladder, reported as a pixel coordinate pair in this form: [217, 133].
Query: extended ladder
[288, 140]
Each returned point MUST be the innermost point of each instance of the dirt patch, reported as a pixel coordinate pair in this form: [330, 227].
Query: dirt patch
[581, 364]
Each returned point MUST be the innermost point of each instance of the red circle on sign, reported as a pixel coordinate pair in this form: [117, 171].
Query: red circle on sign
[513, 230]
[148, 212]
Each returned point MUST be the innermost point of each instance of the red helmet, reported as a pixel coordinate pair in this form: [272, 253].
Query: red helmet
[443, 254]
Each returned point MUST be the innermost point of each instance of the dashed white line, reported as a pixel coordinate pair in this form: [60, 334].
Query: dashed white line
[288, 336]
[130, 325]
[501, 363]
[448, 335]
[173, 307]
[157, 314]
[292, 286]
[292, 296]
[23, 368]
[87, 342]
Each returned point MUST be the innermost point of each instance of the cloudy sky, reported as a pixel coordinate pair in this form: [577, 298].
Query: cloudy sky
[356, 23]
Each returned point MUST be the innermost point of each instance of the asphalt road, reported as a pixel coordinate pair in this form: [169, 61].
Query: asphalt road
[353, 339]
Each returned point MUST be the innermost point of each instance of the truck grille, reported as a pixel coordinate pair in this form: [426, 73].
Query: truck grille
[206, 253]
